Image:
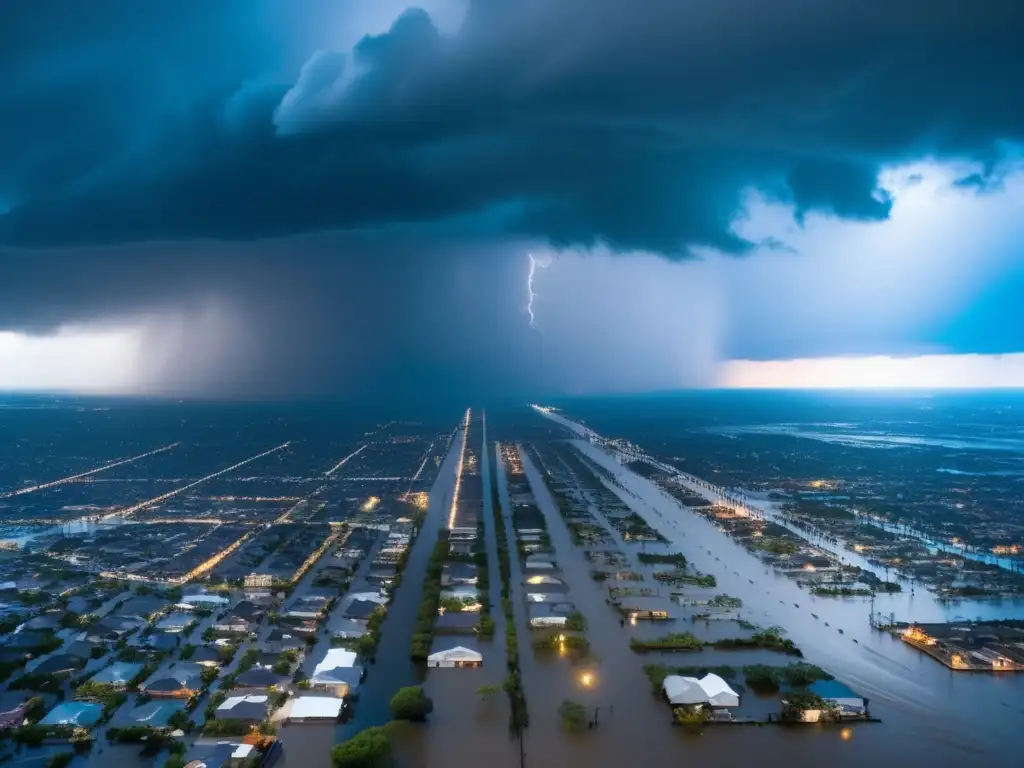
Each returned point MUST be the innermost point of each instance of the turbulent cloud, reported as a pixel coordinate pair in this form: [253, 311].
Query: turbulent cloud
[636, 123]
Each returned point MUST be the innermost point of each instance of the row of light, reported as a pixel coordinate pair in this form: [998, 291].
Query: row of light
[458, 471]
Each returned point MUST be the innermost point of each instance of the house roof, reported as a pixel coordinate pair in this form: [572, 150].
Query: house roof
[143, 606]
[80, 713]
[718, 691]
[336, 657]
[57, 662]
[316, 707]
[119, 672]
[204, 653]
[161, 641]
[683, 690]
[248, 610]
[203, 598]
[351, 676]
[710, 689]
[285, 639]
[459, 570]
[81, 648]
[45, 621]
[27, 639]
[253, 707]
[458, 653]
[259, 678]
[153, 713]
[119, 623]
[540, 610]
[184, 674]
[456, 620]
[361, 609]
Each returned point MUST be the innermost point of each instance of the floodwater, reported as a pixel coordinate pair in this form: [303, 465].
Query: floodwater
[466, 729]
[393, 668]
[931, 714]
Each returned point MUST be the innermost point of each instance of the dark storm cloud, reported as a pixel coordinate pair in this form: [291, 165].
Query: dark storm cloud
[634, 122]
[361, 317]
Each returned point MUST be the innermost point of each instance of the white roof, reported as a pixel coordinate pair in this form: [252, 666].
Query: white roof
[233, 701]
[316, 706]
[710, 689]
[458, 653]
[684, 690]
[460, 592]
[216, 599]
[336, 657]
[718, 691]
[373, 597]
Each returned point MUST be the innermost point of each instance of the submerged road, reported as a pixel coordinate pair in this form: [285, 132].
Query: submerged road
[81, 475]
[394, 668]
[964, 717]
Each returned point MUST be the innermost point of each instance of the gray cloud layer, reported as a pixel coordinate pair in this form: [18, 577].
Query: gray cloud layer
[633, 122]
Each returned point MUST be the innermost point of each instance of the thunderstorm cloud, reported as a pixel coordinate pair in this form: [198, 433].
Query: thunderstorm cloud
[340, 196]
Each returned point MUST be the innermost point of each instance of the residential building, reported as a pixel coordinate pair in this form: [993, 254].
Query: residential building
[248, 709]
[178, 682]
[118, 674]
[338, 673]
[308, 709]
[455, 657]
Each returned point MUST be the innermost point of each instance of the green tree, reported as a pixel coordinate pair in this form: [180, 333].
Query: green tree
[367, 749]
[573, 715]
[208, 675]
[411, 703]
[487, 691]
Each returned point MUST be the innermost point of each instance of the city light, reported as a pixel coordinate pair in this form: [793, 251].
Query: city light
[587, 679]
[171, 494]
[344, 461]
[74, 478]
[458, 472]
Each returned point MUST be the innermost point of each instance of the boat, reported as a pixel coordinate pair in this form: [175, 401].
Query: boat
[814, 615]
[841, 632]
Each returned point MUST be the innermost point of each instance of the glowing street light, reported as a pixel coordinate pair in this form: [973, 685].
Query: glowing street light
[587, 679]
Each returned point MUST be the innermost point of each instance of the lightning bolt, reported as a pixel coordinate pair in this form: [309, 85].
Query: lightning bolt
[535, 264]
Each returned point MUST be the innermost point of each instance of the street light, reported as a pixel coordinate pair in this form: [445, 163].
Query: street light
[587, 679]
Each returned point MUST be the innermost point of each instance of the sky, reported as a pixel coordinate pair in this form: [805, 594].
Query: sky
[280, 198]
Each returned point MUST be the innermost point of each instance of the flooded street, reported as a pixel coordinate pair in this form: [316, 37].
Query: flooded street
[394, 668]
[465, 728]
[959, 716]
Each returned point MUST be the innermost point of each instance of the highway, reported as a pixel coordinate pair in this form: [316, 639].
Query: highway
[74, 478]
[171, 494]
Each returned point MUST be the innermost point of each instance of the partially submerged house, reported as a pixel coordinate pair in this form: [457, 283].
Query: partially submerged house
[311, 709]
[649, 608]
[246, 709]
[181, 681]
[80, 714]
[456, 623]
[118, 674]
[337, 674]
[709, 691]
[455, 657]
[549, 614]
[458, 574]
